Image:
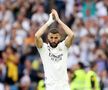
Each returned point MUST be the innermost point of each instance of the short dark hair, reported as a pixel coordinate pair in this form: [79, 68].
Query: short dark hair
[81, 65]
[53, 31]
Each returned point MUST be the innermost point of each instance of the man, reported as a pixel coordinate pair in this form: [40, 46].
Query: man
[54, 54]
[78, 79]
[41, 85]
[92, 82]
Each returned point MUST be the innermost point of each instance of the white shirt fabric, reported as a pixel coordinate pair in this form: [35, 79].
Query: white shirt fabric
[55, 64]
[2, 38]
[20, 36]
[2, 86]
[69, 7]
[101, 9]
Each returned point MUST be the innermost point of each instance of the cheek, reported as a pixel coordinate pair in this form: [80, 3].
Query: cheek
[57, 40]
[49, 40]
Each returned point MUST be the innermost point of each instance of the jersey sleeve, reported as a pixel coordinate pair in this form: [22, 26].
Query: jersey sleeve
[62, 44]
[42, 50]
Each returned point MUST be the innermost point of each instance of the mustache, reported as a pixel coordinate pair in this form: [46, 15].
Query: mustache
[53, 44]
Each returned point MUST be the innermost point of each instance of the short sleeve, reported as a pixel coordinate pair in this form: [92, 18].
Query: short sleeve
[42, 50]
[62, 44]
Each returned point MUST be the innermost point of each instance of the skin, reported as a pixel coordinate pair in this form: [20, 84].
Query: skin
[68, 31]
[54, 39]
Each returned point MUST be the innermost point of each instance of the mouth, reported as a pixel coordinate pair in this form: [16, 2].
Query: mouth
[53, 45]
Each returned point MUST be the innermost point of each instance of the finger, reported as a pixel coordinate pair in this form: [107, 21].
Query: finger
[53, 16]
[54, 11]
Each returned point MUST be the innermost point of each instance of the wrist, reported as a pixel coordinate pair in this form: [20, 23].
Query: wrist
[48, 23]
[50, 20]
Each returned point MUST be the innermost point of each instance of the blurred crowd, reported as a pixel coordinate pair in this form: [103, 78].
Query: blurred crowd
[20, 63]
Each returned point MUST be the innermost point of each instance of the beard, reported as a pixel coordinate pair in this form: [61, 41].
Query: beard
[53, 45]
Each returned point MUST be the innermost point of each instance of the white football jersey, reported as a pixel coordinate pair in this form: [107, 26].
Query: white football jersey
[55, 63]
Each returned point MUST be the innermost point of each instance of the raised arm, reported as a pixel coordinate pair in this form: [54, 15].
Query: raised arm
[40, 32]
[68, 31]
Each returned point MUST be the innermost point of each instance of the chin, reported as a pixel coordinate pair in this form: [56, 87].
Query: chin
[53, 45]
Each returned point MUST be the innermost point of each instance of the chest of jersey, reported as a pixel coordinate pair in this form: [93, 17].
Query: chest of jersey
[55, 54]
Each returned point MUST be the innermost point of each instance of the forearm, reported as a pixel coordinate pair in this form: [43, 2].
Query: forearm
[41, 31]
[67, 30]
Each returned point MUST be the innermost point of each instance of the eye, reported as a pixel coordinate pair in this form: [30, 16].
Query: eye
[56, 37]
[51, 37]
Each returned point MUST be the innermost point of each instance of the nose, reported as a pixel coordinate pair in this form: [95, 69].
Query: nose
[53, 40]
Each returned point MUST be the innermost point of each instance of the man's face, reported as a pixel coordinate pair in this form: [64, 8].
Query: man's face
[53, 39]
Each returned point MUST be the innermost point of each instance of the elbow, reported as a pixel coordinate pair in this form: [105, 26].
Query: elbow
[36, 36]
[72, 35]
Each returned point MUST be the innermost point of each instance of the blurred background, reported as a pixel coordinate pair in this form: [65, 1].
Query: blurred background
[20, 63]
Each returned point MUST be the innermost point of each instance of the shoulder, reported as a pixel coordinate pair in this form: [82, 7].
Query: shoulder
[91, 74]
[44, 47]
[62, 44]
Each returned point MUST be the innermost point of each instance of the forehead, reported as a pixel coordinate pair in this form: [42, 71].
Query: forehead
[54, 35]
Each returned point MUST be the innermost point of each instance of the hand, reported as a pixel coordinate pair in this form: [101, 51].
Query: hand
[55, 15]
[50, 20]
